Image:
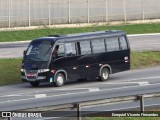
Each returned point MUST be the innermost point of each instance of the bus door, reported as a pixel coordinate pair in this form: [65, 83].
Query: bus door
[66, 60]
[125, 53]
[84, 59]
[71, 60]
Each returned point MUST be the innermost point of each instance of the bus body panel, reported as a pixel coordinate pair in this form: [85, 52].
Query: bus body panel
[77, 65]
[67, 64]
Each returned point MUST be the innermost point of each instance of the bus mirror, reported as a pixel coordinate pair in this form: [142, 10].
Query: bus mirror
[24, 53]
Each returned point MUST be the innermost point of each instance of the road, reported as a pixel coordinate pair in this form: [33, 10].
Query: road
[137, 43]
[131, 82]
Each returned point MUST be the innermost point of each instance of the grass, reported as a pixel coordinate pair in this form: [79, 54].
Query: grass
[145, 59]
[10, 68]
[20, 35]
[10, 71]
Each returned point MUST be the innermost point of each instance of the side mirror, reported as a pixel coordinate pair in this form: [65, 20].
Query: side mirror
[24, 53]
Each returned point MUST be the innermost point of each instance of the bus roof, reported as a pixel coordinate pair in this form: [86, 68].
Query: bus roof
[69, 37]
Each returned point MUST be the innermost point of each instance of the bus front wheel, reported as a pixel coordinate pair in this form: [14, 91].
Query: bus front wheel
[104, 74]
[59, 79]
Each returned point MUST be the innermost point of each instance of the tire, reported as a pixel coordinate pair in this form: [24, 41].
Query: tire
[104, 75]
[59, 79]
[35, 84]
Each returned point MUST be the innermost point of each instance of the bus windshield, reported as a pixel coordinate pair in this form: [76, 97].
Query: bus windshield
[39, 51]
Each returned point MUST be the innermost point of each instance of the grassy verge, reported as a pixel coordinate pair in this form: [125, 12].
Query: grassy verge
[10, 68]
[145, 59]
[32, 34]
[10, 71]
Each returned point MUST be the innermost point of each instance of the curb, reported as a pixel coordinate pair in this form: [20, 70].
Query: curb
[15, 42]
[149, 34]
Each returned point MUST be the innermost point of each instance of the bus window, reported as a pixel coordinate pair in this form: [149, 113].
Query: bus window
[85, 47]
[70, 49]
[60, 50]
[123, 43]
[55, 52]
[112, 44]
[98, 46]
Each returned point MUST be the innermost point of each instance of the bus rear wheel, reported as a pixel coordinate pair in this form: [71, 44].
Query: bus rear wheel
[104, 74]
[35, 84]
[59, 79]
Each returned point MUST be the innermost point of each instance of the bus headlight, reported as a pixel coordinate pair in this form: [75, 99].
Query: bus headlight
[22, 70]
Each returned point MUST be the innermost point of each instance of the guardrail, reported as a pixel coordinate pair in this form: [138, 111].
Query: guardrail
[81, 104]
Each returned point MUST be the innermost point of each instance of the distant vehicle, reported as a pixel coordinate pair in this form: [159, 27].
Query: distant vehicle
[61, 58]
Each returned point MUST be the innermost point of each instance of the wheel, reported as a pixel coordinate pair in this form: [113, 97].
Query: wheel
[59, 79]
[34, 84]
[104, 74]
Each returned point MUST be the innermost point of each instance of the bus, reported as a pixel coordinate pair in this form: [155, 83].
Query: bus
[60, 58]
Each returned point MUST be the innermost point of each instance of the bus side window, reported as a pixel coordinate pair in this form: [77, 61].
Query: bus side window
[60, 51]
[70, 49]
[78, 48]
[112, 44]
[123, 43]
[85, 47]
[98, 46]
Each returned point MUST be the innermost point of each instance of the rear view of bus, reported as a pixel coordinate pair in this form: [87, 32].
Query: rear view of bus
[58, 59]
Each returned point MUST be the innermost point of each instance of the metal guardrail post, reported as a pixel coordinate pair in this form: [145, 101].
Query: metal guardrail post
[10, 118]
[141, 98]
[77, 105]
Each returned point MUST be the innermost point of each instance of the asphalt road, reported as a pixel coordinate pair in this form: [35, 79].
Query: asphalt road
[137, 43]
[131, 82]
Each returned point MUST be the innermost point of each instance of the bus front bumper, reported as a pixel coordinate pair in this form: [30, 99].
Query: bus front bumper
[35, 75]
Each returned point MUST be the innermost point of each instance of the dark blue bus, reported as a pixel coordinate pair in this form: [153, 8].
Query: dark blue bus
[61, 58]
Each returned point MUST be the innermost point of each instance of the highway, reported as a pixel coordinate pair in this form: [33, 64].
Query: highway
[133, 82]
[137, 43]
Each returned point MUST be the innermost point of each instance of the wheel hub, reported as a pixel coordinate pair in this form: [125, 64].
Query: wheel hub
[60, 80]
[105, 74]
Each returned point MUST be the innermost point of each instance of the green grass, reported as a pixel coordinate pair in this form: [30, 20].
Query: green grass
[20, 35]
[10, 71]
[145, 59]
[10, 68]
